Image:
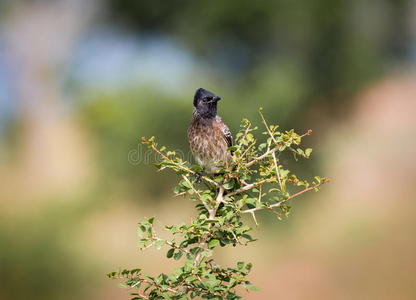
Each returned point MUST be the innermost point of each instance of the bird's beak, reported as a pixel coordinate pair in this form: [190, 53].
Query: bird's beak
[217, 98]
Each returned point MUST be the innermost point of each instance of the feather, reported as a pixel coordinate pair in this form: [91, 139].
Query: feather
[227, 135]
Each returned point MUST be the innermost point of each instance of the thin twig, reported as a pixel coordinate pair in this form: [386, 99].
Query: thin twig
[264, 155]
[191, 185]
[251, 210]
[176, 247]
[260, 194]
[275, 212]
[218, 201]
[245, 133]
[267, 126]
[274, 149]
[273, 153]
[202, 243]
[277, 171]
[179, 165]
[254, 218]
[153, 283]
[196, 192]
[248, 148]
[136, 291]
[256, 159]
[248, 187]
[309, 132]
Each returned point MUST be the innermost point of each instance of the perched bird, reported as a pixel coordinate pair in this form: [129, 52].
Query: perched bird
[209, 138]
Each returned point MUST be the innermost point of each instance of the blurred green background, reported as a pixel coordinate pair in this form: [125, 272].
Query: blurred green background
[82, 81]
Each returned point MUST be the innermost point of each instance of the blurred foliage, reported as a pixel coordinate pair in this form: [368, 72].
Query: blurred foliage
[338, 45]
[290, 56]
[37, 259]
[118, 120]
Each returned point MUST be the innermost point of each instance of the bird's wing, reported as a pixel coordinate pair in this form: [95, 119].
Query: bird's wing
[227, 135]
[225, 131]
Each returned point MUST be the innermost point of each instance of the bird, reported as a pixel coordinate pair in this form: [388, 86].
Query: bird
[209, 137]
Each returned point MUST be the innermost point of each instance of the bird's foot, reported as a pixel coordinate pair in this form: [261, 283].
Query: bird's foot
[199, 177]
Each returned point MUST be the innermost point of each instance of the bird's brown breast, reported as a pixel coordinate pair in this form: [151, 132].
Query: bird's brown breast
[207, 143]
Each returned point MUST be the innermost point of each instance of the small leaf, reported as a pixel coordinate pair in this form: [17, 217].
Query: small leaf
[213, 243]
[197, 168]
[229, 185]
[170, 253]
[177, 255]
[134, 271]
[251, 287]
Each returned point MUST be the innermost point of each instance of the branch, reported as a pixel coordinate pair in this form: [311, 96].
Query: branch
[140, 294]
[248, 187]
[152, 282]
[277, 171]
[207, 179]
[209, 209]
[251, 210]
[263, 120]
[218, 201]
[212, 213]
[191, 185]
[273, 150]
[273, 153]
[264, 155]
[176, 247]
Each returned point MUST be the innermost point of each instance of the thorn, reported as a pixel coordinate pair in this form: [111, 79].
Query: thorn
[254, 218]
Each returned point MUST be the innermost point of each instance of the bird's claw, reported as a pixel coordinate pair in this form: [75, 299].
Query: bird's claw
[198, 178]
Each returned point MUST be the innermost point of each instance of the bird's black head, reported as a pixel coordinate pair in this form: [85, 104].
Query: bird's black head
[205, 103]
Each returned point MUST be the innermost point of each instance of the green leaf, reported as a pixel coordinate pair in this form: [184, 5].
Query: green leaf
[197, 168]
[248, 237]
[251, 287]
[229, 185]
[177, 255]
[169, 254]
[191, 278]
[210, 284]
[141, 229]
[213, 243]
[206, 198]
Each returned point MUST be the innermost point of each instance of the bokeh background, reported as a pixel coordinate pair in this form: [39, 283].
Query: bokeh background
[82, 81]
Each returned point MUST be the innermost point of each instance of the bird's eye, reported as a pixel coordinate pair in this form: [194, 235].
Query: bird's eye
[207, 99]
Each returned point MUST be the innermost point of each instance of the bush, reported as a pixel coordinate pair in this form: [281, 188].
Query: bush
[254, 181]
